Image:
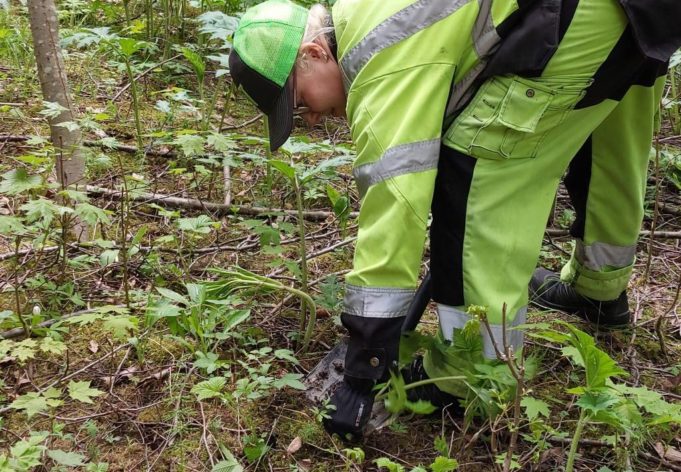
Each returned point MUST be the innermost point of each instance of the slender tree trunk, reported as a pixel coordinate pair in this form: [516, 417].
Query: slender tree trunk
[52, 76]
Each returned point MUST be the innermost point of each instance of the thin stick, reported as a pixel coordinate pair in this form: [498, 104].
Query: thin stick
[218, 209]
[656, 210]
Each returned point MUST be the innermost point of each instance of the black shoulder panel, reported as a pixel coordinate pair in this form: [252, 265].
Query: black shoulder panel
[656, 25]
[529, 39]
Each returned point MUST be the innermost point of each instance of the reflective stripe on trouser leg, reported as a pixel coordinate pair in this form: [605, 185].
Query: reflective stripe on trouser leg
[377, 302]
[455, 318]
[613, 192]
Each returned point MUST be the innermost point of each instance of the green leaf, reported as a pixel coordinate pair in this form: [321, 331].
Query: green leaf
[420, 407]
[208, 361]
[18, 180]
[220, 142]
[218, 25]
[11, 226]
[74, 195]
[210, 388]
[201, 224]
[440, 445]
[130, 46]
[31, 403]
[284, 168]
[25, 350]
[52, 109]
[53, 346]
[91, 214]
[388, 464]
[190, 144]
[597, 401]
[290, 380]
[108, 257]
[535, 407]
[121, 326]
[197, 63]
[598, 365]
[40, 208]
[174, 296]
[235, 318]
[230, 464]
[255, 448]
[69, 459]
[286, 354]
[82, 392]
[85, 318]
[71, 126]
[26, 454]
[444, 464]
[163, 106]
[5, 346]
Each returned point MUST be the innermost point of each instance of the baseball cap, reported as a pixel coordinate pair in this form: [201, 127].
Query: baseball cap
[265, 48]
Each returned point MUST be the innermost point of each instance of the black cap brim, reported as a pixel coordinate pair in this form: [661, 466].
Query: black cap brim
[272, 99]
[280, 119]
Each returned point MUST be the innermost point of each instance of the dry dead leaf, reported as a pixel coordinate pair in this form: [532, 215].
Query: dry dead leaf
[125, 374]
[93, 346]
[295, 445]
[668, 452]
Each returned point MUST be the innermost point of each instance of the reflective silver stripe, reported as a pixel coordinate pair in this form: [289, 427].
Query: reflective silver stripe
[597, 256]
[462, 91]
[377, 302]
[485, 36]
[399, 160]
[403, 24]
[485, 41]
[451, 317]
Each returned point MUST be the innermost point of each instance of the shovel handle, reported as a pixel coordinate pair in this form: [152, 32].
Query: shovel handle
[418, 304]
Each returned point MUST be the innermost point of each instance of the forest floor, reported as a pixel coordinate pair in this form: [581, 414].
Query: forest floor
[140, 373]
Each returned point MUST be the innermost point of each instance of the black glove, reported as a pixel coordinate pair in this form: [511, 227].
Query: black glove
[353, 400]
[373, 350]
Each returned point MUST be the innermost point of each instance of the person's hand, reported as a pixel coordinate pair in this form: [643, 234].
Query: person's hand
[353, 405]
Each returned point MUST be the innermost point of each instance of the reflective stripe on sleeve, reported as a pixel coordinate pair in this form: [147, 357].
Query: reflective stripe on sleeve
[403, 24]
[598, 256]
[399, 160]
[452, 317]
[377, 302]
[485, 41]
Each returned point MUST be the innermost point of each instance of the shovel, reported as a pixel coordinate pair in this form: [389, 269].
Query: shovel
[328, 374]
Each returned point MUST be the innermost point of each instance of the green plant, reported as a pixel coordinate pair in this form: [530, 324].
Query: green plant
[323, 411]
[631, 410]
[242, 280]
[201, 313]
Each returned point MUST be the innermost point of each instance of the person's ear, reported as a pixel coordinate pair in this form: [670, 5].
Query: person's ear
[313, 51]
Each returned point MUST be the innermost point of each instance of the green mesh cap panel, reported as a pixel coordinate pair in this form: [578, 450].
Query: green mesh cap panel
[268, 38]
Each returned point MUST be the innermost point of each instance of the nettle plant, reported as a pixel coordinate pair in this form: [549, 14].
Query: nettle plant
[635, 413]
[41, 225]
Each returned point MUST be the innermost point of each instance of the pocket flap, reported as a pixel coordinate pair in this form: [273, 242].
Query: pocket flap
[523, 106]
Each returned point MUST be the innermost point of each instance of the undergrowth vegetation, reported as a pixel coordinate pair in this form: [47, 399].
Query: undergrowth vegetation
[163, 316]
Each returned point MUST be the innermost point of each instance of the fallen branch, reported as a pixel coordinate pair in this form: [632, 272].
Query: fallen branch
[218, 209]
[98, 144]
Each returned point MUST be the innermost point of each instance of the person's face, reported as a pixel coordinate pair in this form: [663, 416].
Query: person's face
[318, 85]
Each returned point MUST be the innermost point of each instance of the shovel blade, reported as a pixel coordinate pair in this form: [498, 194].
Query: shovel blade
[322, 380]
[327, 375]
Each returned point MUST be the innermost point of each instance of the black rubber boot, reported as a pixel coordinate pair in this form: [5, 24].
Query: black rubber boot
[415, 372]
[549, 292]
[373, 349]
